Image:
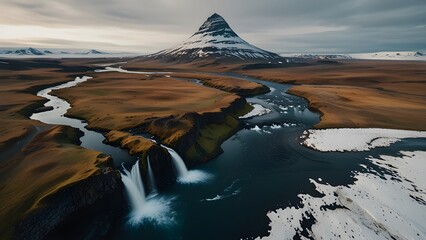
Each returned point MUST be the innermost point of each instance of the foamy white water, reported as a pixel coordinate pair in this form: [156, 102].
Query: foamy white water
[194, 176]
[185, 176]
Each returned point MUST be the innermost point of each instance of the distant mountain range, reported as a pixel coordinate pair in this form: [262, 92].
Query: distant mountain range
[36, 52]
[371, 56]
[214, 39]
[316, 56]
[390, 56]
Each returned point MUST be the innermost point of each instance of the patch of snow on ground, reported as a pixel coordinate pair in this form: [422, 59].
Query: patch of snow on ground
[355, 139]
[391, 205]
[258, 110]
[121, 70]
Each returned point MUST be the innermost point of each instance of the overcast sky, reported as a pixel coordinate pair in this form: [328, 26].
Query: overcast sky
[146, 26]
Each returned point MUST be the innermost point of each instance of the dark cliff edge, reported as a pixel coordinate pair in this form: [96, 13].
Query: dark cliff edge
[67, 201]
[199, 136]
[53, 188]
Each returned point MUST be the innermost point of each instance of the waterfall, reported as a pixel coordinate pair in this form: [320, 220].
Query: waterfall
[151, 180]
[180, 167]
[134, 187]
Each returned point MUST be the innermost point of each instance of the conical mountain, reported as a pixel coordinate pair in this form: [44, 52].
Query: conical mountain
[215, 39]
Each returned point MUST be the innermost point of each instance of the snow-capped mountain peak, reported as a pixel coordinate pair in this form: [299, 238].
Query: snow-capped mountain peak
[215, 38]
[26, 51]
[215, 25]
[93, 51]
[50, 53]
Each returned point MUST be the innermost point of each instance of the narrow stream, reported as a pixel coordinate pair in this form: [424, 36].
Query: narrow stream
[91, 139]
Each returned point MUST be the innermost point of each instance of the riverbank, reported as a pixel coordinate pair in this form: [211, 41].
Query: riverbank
[355, 94]
[20, 81]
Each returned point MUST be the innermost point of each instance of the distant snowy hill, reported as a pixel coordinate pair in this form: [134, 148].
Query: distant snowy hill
[316, 56]
[409, 56]
[216, 39]
[93, 51]
[390, 56]
[55, 53]
[23, 51]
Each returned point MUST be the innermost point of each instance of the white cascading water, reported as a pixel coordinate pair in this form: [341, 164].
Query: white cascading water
[183, 175]
[151, 180]
[180, 166]
[134, 187]
[153, 208]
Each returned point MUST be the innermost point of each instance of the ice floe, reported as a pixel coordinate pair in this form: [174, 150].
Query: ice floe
[256, 128]
[228, 192]
[355, 139]
[283, 108]
[389, 205]
[258, 110]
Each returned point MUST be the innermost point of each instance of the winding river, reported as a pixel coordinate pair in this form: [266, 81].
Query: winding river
[263, 168]
[91, 139]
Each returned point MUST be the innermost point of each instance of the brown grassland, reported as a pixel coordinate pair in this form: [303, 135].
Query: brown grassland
[117, 101]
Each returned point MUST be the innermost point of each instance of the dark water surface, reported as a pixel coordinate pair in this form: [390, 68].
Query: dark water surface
[259, 171]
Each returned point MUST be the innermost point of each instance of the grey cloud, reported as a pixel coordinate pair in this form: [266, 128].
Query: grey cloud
[365, 25]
